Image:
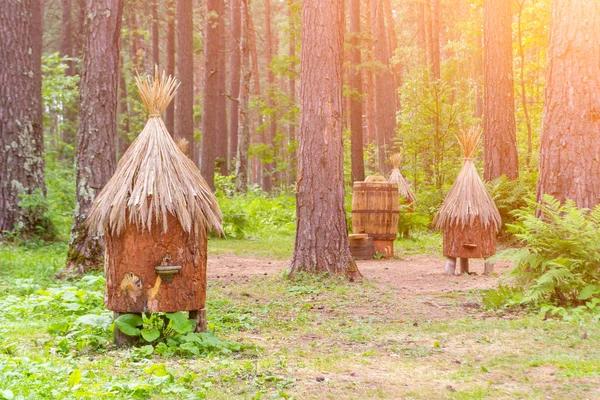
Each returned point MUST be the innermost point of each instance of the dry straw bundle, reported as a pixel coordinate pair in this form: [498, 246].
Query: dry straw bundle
[154, 177]
[468, 198]
[404, 189]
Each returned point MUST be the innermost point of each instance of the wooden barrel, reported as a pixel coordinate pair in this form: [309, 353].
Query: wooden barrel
[375, 208]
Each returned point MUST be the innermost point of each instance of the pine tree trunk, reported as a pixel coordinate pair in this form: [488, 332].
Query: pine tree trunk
[241, 166]
[499, 128]
[184, 109]
[356, 113]
[155, 35]
[436, 16]
[234, 85]
[211, 92]
[21, 130]
[271, 129]
[97, 125]
[321, 234]
[369, 87]
[222, 132]
[170, 113]
[292, 90]
[384, 88]
[66, 40]
[570, 138]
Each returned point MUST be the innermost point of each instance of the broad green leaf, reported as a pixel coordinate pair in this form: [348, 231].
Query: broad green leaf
[146, 350]
[8, 394]
[128, 323]
[150, 335]
[74, 378]
[96, 321]
[191, 348]
[180, 323]
[588, 292]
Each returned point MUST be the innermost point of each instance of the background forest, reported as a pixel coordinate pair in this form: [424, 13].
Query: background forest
[414, 73]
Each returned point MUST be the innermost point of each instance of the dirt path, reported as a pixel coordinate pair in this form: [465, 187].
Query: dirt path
[413, 274]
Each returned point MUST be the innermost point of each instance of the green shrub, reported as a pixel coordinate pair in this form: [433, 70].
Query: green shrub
[558, 266]
[510, 196]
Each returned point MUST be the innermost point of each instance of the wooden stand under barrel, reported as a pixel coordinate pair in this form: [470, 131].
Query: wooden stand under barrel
[468, 217]
[375, 211]
[155, 213]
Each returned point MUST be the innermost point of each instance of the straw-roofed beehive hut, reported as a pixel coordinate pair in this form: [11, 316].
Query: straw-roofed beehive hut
[407, 197]
[155, 214]
[468, 217]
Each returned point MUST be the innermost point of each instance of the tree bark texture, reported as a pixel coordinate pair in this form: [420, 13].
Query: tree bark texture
[321, 232]
[292, 88]
[499, 128]
[211, 92]
[241, 166]
[385, 92]
[570, 138]
[155, 35]
[66, 40]
[222, 132]
[97, 125]
[235, 18]
[170, 62]
[184, 107]
[356, 112]
[21, 130]
[271, 129]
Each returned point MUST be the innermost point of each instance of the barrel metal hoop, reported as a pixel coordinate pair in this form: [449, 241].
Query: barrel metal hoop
[383, 236]
[376, 189]
[375, 212]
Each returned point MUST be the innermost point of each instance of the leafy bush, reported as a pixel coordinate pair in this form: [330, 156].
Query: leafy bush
[558, 267]
[512, 195]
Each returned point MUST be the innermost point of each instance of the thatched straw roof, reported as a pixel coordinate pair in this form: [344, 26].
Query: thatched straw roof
[468, 197]
[154, 177]
[404, 189]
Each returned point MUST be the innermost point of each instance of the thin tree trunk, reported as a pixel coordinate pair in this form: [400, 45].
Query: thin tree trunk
[155, 34]
[241, 167]
[356, 113]
[21, 130]
[170, 113]
[211, 92]
[270, 132]
[96, 135]
[321, 234]
[393, 44]
[523, 93]
[66, 42]
[222, 132]
[369, 78]
[570, 138]
[499, 128]
[184, 109]
[234, 88]
[436, 16]
[292, 89]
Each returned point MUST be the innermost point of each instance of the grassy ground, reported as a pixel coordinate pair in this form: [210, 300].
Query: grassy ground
[308, 338]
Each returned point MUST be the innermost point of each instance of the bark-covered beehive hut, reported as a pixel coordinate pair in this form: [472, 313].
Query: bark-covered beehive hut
[468, 217]
[155, 214]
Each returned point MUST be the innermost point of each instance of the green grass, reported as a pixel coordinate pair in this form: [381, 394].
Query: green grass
[308, 338]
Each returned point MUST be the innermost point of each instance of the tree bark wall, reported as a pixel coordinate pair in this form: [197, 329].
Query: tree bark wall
[97, 124]
[499, 128]
[21, 130]
[321, 235]
[570, 138]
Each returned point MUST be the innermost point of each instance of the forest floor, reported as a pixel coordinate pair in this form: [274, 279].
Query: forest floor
[405, 331]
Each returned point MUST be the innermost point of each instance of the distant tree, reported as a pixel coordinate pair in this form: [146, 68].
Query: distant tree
[241, 166]
[499, 128]
[436, 21]
[235, 21]
[222, 131]
[155, 34]
[66, 40]
[170, 62]
[356, 111]
[211, 91]
[271, 130]
[570, 138]
[321, 234]
[21, 130]
[184, 100]
[97, 125]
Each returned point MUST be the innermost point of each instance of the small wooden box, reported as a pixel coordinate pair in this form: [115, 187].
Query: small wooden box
[361, 246]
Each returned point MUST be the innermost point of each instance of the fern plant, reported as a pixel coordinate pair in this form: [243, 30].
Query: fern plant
[559, 264]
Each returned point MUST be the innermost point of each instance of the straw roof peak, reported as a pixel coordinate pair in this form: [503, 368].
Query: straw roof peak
[468, 198]
[404, 189]
[155, 178]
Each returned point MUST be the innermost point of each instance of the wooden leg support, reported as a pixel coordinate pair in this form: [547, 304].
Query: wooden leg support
[464, 266]
[488, 267]
[119, 338]
[450, 265]
[200, 317]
